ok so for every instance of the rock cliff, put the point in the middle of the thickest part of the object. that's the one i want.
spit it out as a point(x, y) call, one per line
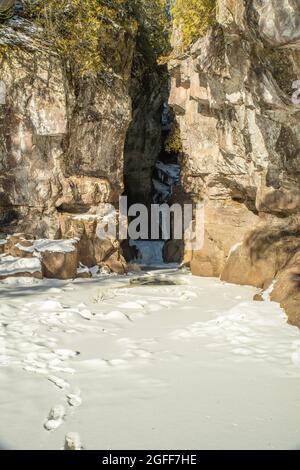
point(232, 93)
point(62, 139)
point(148, 90)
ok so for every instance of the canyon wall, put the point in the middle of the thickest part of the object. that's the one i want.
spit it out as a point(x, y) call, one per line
point(148, 90)
point(62, 139)
point(240, 130)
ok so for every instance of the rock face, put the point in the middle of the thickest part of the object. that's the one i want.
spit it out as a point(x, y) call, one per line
point(232, 93)
point(61, 142)
point(144, 138)
point(287, 289)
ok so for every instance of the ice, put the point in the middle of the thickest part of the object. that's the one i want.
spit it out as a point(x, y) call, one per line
point(151, 251)
point(55, 246)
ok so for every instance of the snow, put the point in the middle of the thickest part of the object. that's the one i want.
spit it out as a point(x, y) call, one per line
point(113, 364)
point(234, 248)
point(52, 246)
point(267, 292)
point(83, 269)
point(9, 266)
point(172, 170)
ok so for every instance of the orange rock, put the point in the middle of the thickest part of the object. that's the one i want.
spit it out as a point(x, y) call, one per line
point(287, 290)
point(60, 265)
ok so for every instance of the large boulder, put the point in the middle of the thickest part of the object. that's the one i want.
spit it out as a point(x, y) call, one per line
point(173, 251)
point(59, 258)
point(116, 264)
point(58, 265)
point(226, 225)
point(92, 250)
point(263, 254)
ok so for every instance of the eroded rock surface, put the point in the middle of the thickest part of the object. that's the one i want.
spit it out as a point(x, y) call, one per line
point(61, 142)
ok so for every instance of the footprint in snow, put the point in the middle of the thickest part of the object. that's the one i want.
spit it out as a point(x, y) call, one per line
point(55, 418)
point(74, 399)
point(60, 383)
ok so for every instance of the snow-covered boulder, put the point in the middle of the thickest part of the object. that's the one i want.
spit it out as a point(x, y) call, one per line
point(59, 258)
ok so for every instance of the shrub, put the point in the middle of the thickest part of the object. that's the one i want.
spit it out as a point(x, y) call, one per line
point(194, 17)
point(82, 29)
point(173, 143)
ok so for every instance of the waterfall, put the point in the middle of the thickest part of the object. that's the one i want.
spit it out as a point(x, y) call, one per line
point(150, 252)
point(165, 177)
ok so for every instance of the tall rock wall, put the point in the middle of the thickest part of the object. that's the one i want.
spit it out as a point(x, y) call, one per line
point(149, 92)
point(240, 130)
point(61, 139)
point(61, 142)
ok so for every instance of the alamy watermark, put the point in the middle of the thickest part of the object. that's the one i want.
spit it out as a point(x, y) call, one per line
point(157, 222)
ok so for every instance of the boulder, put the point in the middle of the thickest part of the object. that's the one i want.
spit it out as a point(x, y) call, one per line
point(59, 258)
point(116, 264)
point(226, 225)
point(58, 265)
point(130, 253)
point(134, 268)
point(263, 254)
point(91, 250)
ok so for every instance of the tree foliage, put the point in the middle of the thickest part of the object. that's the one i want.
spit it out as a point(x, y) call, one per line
point(154, 25)
point(81, 29)
point(194, 17)
point(173, 143)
